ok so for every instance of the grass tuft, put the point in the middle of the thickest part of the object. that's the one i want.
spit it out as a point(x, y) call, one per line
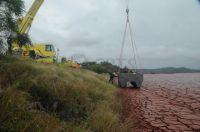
point(38, 97)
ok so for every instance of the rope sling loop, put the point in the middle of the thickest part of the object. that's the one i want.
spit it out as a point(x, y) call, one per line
point(128, 26)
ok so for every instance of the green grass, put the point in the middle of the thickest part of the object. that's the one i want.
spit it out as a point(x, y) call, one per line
point(43, 98)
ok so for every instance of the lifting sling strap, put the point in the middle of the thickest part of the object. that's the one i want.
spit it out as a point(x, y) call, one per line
point(128, 26)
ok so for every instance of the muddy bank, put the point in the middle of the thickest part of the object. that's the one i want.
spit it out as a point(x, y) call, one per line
point(164, 103)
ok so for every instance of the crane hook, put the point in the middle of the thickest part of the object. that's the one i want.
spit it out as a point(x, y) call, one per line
point(127, 10)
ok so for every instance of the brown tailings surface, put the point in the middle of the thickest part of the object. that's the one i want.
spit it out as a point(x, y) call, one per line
point(166, 102)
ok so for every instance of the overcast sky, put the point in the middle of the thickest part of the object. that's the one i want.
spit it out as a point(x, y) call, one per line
point(167, 32)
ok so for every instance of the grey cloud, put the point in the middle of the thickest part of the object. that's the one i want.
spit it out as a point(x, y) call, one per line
point(166, 32)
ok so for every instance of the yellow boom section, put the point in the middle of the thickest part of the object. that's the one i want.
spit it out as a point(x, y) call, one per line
point(26, 21)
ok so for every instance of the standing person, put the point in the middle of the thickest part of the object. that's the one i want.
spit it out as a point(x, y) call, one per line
point(112, 76)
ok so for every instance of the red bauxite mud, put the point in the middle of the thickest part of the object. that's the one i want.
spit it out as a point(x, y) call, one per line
point(166, 102)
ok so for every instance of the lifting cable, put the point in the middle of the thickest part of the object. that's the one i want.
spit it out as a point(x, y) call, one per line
point(133, 43)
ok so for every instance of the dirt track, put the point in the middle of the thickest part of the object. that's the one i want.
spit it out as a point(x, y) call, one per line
point(165, 103)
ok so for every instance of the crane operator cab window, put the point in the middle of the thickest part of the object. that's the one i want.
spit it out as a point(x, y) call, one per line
point(49, 48)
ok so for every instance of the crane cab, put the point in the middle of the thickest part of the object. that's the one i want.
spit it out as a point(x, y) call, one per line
point(43, 53)
point(44, 50)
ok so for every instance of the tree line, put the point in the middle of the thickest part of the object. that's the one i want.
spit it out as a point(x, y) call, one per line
point(102, 67)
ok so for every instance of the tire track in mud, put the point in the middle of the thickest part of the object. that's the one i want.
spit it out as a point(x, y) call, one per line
point(162, 105)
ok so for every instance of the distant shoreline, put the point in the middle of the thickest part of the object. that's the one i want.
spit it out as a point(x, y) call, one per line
point(169, 73)
point(170, 70)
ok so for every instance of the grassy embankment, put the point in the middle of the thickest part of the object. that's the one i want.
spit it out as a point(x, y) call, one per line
point(38, 97)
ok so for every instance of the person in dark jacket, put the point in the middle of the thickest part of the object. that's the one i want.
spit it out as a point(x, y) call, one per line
point(112, 76)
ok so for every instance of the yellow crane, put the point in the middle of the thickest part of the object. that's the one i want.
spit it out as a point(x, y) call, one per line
point(29, 17)
point(40, 52)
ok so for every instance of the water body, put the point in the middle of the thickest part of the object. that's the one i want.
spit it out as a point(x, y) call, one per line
point(166, 102)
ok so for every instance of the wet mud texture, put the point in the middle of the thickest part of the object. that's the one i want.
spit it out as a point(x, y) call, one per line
point(165, 103)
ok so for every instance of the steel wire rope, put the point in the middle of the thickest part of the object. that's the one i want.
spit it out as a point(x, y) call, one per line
point(136, 49)
point(123, 43)
point(133, 42)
